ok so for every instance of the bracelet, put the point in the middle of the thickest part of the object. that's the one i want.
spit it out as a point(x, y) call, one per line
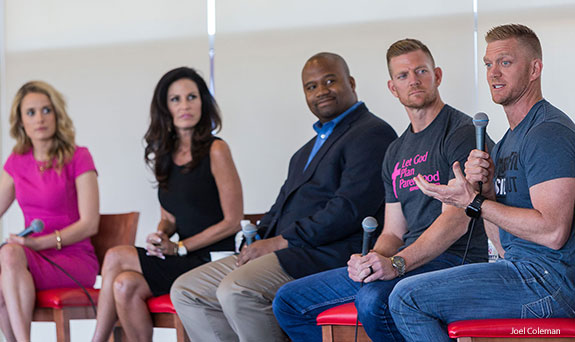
point(58, 240)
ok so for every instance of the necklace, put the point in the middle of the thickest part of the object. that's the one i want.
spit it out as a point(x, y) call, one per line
point(42, 166)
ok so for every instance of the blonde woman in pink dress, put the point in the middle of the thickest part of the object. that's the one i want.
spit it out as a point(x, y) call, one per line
point(55, 181)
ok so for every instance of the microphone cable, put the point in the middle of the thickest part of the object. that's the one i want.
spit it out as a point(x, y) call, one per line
point(74, 280)
point(470, 227)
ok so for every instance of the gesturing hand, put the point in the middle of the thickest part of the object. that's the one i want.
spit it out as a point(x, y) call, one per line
point(458, 193)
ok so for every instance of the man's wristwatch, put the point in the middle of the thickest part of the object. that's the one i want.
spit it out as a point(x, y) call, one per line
point(399, 264)
point(182, 249)
point(473, 210)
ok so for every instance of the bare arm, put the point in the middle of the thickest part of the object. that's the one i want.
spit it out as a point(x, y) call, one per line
point(547, 224)
point(86, 226)
point(167, 224)
point(394, 227)
point(7, 194)
point(443, 232)
point(230, 192)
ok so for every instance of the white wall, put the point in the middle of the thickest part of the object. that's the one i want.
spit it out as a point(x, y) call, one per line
point(107, 65)
point(258, 86)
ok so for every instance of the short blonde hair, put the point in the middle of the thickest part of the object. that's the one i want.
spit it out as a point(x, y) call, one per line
point(407, 45)
point(64, 145)
point(522, 33)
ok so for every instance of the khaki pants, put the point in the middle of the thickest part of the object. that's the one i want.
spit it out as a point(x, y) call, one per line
point(222, 302)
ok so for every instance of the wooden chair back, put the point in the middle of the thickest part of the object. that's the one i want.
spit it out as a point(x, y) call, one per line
point(115, 230)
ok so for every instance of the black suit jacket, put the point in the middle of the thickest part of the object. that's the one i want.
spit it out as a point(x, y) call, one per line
point(319, 210)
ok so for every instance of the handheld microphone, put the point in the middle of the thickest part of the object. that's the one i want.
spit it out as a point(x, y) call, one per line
point(369, 224)
point(250, 230)
point(480, 121)
point(35, 226)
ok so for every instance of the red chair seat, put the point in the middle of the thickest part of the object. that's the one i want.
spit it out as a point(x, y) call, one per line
point(532, 328)
point(62, 297)
point(344, 314)
point(161, 304)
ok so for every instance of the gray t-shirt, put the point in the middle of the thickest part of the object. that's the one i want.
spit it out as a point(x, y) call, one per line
point(431, 153)
point(539, 149)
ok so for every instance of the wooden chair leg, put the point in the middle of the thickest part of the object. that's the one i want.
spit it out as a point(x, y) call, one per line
point(327, 333)
point(62, 325)
point(343, 333)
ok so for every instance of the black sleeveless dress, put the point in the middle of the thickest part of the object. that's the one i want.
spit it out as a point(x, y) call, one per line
point(194, 201)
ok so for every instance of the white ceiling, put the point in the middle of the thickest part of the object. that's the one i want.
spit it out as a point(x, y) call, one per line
point(47, 24)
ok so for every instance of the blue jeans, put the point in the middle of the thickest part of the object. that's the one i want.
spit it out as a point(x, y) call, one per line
point(297, 303)
point(423, 305)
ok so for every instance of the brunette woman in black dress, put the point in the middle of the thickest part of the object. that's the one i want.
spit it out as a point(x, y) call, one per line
point(200, 198)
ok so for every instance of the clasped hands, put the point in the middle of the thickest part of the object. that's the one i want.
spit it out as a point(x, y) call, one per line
point(370, 267)
point(461, 191)
point(158, 244)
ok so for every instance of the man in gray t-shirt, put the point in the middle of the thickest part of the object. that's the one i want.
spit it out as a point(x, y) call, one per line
point(431, 152)
point(419, 234)
point(527, 205)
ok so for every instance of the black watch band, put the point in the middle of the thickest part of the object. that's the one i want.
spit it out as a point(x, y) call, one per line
point(473, 210)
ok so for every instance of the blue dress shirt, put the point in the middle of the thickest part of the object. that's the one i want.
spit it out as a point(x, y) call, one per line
point(325, 130)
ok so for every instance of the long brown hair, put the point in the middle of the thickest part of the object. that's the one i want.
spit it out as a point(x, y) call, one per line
point(161, 138)
point(63, 141)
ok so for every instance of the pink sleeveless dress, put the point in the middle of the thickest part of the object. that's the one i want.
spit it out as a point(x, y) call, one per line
point(52, 197)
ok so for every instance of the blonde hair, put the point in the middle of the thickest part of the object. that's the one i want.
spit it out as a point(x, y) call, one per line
point(63, 141)
point(407, 45)
point(522, 33)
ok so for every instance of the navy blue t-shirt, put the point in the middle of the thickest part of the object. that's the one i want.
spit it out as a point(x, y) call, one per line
point(431, 153)
point(539, 149)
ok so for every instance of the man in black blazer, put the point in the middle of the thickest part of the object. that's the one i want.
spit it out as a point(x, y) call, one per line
point(315, 224)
